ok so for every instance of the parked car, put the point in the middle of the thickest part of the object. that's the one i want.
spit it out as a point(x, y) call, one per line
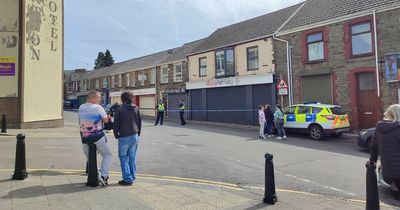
point(317, 120)
point(365, 137)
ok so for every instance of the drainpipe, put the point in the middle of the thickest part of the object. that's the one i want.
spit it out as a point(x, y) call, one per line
point(288, 67)
point(376, 55)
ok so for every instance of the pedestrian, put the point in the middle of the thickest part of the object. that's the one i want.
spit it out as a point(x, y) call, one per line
point(269, 117)
point(91, 119)
point(261, 120)
point(279, 117)
point(386, 143)
point(182, 111)
point(160, 113)
point(127, 128)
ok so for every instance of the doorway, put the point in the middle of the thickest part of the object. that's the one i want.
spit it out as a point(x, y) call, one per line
point(368, 101)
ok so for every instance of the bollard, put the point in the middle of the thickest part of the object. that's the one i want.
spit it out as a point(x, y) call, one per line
point(4, 123)
point(92, 179)
point(87, 167)
point(20, 161)
point(270, 194)
point(372, 188)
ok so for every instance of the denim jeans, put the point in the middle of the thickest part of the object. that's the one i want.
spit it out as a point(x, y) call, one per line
point(268, 128)
point(127, 147)
point(279, 128)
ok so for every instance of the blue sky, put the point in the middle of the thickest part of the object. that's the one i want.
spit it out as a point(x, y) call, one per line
point(133, 28)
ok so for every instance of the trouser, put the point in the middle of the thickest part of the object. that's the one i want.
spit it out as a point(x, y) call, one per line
point(262, 124)
point(127, 147)
point(268, 128)
point(181, 114)
point(160, 117)
point(279, 128)
point(104, 149)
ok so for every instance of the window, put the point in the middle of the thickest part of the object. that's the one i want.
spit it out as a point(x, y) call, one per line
point(153, 76)
point(112, 81)
point(290, 110)
point(127, 79)
point(303, 110)
point(178, 74)
point(361, 39)
point(142, 77)
point(97, 84)
point(133, 80)
point(224, 62)
point(315, 47)
point(120, 80)
point(164, 74)
point(252, 58)
point(105, 83)
point(202, 67)
point(316, 110)
point(366, 81)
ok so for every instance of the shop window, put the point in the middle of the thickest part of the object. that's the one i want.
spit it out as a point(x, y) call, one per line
point(164, 74)
point(178, 74)
point(224, 62)
point(252, 58)
point(142, 77)
point(203, 67)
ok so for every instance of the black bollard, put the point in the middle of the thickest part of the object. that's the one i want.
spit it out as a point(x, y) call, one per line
point(4, 123)
point(87, 167)
point(270, 194)
point(20, 160)
point(92, 179)
point(372, 188)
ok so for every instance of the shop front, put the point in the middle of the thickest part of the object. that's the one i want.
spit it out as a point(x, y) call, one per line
point(145, 99)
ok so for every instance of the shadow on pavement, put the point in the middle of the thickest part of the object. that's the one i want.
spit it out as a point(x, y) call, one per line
point(258, 206)
point(53, 173)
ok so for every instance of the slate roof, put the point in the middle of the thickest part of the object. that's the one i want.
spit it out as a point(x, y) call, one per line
point(181, 52)
point(315, 11)
point(247, 30)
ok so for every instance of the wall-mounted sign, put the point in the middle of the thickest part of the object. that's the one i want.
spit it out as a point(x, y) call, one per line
point(232, 81)
point(392, 65)
point(282, 91)
point(7, 65)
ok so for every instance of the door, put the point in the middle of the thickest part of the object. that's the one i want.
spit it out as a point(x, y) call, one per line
point(368, 102)
point(290, 117)
point(147, 105)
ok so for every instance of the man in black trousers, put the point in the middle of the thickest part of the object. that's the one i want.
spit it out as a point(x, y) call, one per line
point(182, 111)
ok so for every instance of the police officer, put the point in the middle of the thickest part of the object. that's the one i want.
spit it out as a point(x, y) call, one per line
point(182, 111)
point(160, 112)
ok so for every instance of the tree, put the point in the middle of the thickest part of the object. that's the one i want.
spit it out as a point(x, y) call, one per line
point(100, 61)
point(108, 59)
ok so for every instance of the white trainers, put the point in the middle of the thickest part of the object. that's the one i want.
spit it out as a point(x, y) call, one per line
point(269, 136)
point(101, 180)
point(284, 137)
point(279, 138)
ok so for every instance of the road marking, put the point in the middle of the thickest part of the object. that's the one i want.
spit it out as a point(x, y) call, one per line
point(178, 145)
point(53, 147)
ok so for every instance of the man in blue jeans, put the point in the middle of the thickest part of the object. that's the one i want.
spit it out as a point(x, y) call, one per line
point(127, 127)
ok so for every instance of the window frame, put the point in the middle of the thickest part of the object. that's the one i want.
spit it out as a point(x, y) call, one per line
point(325, 42)
point(164, 77)
point(351, 38)
point(176, 73)
point(225, 63)
point(314, 42)
point(248, 58)
point(152, 79)
point(127, 79)
point(200, 67)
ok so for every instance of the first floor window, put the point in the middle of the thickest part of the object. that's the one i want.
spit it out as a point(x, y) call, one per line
point(133, 79)
point(141, 78)
point(361, 39)
point(112, 81)
point(120, 80)
point(315, 46)
point(252, 58)
point(178, 74)
point(202, 67)
point(127, 79)
point(164, 74)
point(97, 85)
point(225, 64)
point(153, 76)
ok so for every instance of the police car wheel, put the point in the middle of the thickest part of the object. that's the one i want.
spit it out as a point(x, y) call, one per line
point(316, 132)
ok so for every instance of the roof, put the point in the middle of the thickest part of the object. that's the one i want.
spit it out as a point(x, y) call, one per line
point(181, 52)
point(257, 27)
point(315, 11)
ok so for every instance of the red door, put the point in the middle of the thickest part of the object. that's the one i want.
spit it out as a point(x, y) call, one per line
point(368, 102)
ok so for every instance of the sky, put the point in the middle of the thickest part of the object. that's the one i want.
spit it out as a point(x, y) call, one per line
point(134, 28)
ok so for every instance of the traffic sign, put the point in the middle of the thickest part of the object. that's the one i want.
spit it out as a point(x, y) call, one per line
point(282, 84)
point(282, 91)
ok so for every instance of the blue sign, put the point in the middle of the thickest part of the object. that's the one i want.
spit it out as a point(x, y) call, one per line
point(311, 117)
point(392, 64)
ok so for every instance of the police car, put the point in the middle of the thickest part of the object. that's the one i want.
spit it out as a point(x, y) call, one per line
point(317, 120)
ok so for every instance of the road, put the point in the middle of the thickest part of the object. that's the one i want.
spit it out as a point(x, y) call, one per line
point(328, 167)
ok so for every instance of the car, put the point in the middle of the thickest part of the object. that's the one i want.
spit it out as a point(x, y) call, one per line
point(365, 137)
point(316, 119)
point(68, 104)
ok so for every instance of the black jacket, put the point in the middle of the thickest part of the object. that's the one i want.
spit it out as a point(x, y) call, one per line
point(386, 142)
point(127, 121)
point(269, 116)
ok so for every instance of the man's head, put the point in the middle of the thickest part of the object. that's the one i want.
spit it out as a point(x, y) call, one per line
point(127, 97)
point(94, 97)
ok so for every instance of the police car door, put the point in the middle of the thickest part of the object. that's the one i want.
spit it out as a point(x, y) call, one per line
point(302, 117)
point(290, 117)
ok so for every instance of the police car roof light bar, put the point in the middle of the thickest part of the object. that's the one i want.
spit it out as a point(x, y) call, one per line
point(310, 102)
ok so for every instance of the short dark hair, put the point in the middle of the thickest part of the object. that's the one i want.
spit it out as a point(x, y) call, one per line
point(127, 97)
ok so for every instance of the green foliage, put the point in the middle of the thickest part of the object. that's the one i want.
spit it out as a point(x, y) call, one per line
point(103, 60)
